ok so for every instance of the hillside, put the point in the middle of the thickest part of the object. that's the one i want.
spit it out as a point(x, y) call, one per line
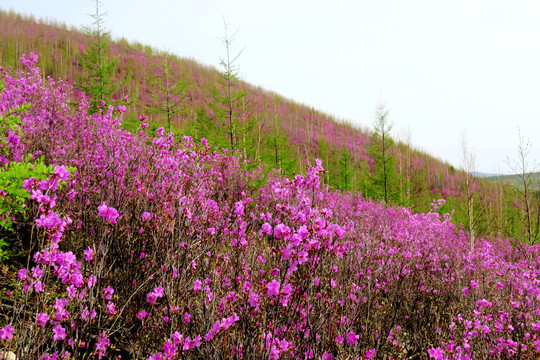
point(141, 245)
point(59, 50)
point(517, 180)
point(282, 132)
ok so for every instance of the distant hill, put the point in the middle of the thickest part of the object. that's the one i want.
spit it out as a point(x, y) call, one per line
point(517, 180)
point(484, 175)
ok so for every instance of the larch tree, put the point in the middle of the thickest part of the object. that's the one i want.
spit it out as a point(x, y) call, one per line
point(381, 149)
point(279, 153)
point(167, 90)
point(98, 65)
point(230, 105)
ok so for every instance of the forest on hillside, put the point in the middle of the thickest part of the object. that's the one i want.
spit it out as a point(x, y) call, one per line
point(212, 103)
point(152, 208)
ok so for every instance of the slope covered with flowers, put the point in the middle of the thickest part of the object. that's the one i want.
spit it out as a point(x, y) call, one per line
point(153, 247)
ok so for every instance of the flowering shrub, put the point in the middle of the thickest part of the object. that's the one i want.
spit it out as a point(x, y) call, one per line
point(158, 249)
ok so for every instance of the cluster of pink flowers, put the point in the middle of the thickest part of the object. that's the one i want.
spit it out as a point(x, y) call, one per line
point(189, 253)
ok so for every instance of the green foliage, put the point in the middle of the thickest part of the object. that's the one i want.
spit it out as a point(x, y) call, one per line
point(384, 179)
point(346, 169)
point(98, 65)
point(202, 126)
point(167, 91)
point(278, 152)
point(12, 195)
point(233, 123)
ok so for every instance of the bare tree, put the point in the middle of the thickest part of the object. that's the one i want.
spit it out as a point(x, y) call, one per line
point(526, 199)
point(468, 163)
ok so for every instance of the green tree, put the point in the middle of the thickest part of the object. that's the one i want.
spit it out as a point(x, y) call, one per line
point(346, 169)
point(279, 152)
point(324, 154)
point(167, 90)
point(233, 124)
point(384, 179)
point(201, 126)
point(98, 65)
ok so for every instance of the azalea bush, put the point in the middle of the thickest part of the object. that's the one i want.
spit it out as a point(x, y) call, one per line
point(147, 246)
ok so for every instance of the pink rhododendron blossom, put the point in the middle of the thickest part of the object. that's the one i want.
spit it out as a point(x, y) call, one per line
point(109, 214)
point(253, 300)
point(436, 353)
point(281, 231)
point(352, 338)
point(41, 319)
point(88, 254)
point(110, 308)
point(273, 287)
point(107, 293)
point(267, 229)
point(22, 274)
point(142, 314)
point(146, 216)
point(327, 356)
point(59, 333)
point(6, 333)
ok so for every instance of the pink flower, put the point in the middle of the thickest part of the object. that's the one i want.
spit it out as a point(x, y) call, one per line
point(352, 338)
point(197, 285)
point(6, 332)
point(273, 287)
point(436, 353)
point(187, 318)
point(286, 289)
point(370, 354)
point(88, 254)
point(38, 286)
point(102, 344)
point(59, 333)
point(107, 293)
point(239, 208)
point(151, 297)
point(91, 281)
point(85, 314)
point(327, 356)
point(37, 273)
point(266, 229)
point(253, 300)
point(110, 214)
point(41, 319)
point(22, 274)
point(110, 308)
point(281, 231)
point(146, 216)
point(177, 338)
point(142, 314)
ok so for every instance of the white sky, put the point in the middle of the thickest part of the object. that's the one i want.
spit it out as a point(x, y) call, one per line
point(442, 67)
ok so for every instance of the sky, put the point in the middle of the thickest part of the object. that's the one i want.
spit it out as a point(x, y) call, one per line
point(445, 69)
